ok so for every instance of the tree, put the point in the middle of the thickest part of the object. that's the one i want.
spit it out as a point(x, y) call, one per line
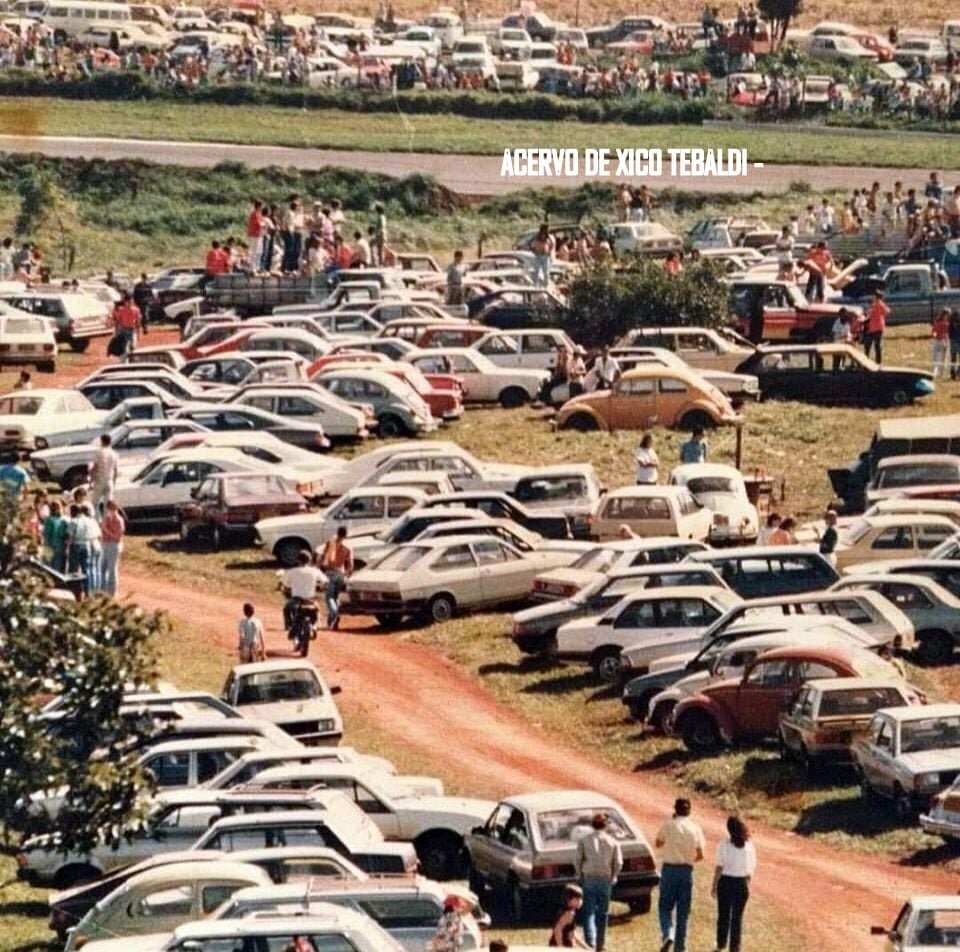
point(779, 13)
point(84, 654)
point(607, 300)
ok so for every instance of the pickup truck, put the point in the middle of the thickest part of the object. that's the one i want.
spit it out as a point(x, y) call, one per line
point(787, 314)
point(250, 295)
point(915, 293)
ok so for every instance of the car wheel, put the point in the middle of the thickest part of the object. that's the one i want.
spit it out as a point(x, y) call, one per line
point(696, 420)
point(639, 706)
point(607, 665)
point(441, 856)
point(934, 647)
point(581, 422)
point(76, 874)
point(903, 805)
point(900, 397)
point(391, 426)
point(47, 367)
point(640, 907)
point(699, 732)
point(74, 477)
point(216, 538)
point(441, 608)
point(513, 397)
point(660, 716)
point(79, 345)
point(517, 902)
point(786, 754)
point(288, 551)
point(387, 621)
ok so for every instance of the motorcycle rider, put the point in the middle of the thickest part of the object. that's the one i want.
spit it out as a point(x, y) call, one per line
point(300, 583)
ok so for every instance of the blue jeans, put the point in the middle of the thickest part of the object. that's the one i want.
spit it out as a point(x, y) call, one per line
point(594, 912)
point(676, 893)
point(82, 560)
point(541, 270)
point(336, 582)
point(109, 562)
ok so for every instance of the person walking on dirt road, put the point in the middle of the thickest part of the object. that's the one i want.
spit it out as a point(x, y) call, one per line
point(681, 845)
point(736, 863)
point(336, 561)
point(598, 864)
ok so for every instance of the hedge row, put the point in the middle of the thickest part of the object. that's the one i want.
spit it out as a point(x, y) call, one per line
point(130, 86)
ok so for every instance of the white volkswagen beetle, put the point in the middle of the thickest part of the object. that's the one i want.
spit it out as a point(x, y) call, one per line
point(722, 490)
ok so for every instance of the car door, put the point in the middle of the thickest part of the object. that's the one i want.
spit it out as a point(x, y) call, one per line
point(700, 350)
point(155, 908)
point(763, 693)
point(170, 770)
point(796, 719)
point(680, 624)
point(495, 851)
point(455, 570)
point(357, 513)
point(501, 572)
point(895, 542)
point(905, 295)
point(502, 349)
point(632, 404)
point(538, 351)
point(876, 755)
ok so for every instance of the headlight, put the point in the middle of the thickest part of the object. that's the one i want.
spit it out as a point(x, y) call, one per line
point(326, 724)
point(924, 386)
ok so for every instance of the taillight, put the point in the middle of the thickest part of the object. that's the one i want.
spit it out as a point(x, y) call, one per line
point(5, 347)
point(553, 871)
point(639, 864)
point(49, 347)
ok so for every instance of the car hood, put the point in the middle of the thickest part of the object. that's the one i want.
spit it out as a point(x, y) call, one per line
point(278, 712)
point(471, 812)
point(927, 761)
point(556, 612)
point(725, 503)
point(372, 578)
point(908, 371)
point(672, 663)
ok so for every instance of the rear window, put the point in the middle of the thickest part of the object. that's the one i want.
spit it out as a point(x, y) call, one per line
point(637, 509)
point(401, 913)
point(549, 489)
point(857, 701)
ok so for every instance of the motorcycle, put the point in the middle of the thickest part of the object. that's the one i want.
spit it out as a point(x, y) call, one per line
point(301, 618)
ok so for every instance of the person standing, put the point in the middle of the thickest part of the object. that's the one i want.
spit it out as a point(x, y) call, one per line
point(362, 251)
point(451, 929)
point(830, 537)
point(55, 537)
point(598, 863)
point(336, 562)
point(455, 280)
point(217, 260)
point(542, 247)
point(608, 369)
point(648, 463)
point(112, 530)
point(103, 473)
point(876, 325)
point(681, 844)
point(83, 546)
point(250, 646)
point(13, 477)
point(143, 298)
point(380, 237)
point(578, 372)
point(736, 864)
point(293, 221)
point(818, 263)
point(127, 321)
point(255, 233)
point(953, 333)
point(695, 449)
point(940, 331)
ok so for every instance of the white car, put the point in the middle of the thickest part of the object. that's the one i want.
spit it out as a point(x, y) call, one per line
point(150, 496)
point(511, 43)
point(365, 509)
point(308, 402)
point(424, 38)
point(436, 825)
point(437, 578)
point(25, 339)
point(721, 490)
point(483, 380)
point(534, 349)
point(289, 693)
point(656, 621)
point(37, 419)
point(840, 49)
point(642, 237)
point(922, 924)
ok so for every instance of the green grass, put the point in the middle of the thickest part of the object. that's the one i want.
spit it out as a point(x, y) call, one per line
point(334, 129)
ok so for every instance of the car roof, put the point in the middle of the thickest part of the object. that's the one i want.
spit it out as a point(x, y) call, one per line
point(322, 917)
point(692, 470)
point(922, 712)
point(560, 469)
point(754, 551)
point(561, 800)
point(887, 519)
point(645, 490)
point(196, 866)
point(930, 903)
point(828, 685)
point(283, 664)
point(826, 652)
point(681, 591)
point(272, 818)
point(443, 541)
point(202, 743)
point(656, 370)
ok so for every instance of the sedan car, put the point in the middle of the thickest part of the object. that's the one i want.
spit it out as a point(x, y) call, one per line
point(833, 373)
point(887, 537)
point(25, 339)
point(231, 504)
point(36, 419)
point(525, 852)
point(828, 716)
point(924, 923)
point(437, 578)
point(289, 693)
point(298, 431)
point(703, 348)
point(748, 708)
point(483, 380)
point(909, 755)
point(310, 403)
point(499, 505)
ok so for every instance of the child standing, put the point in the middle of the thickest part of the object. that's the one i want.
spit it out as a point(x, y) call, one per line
point(250, 642)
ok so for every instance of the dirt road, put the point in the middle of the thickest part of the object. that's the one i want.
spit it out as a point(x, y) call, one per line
point(420, 699)
point(474, 175)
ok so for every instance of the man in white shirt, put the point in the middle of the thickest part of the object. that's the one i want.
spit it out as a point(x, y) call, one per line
point(608, 370)
point(301, 584)
point(103, 473)
point(681, 844)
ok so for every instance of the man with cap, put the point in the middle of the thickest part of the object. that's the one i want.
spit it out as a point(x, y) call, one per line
point(598, 863)
point(681, 845)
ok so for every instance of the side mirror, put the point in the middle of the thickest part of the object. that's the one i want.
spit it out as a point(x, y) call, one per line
point(879, 930)
point(479, 831)
point(336, 689)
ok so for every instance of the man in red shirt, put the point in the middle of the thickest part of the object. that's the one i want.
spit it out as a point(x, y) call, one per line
point(342, 254)
point(876, 325)
point(817, 263)
point(255, 231)
point(127, 320)
point(218, 261)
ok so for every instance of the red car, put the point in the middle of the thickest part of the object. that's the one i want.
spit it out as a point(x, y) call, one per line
point(452, 335)
point(787, 314)
point(196, 345)
point(231, 504)
point(749, 708)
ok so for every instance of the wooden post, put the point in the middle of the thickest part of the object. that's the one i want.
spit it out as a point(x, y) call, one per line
point(738, 452)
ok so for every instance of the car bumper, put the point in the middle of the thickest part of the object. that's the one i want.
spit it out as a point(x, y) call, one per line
point(939, 827)
point(329, 739)
point(373, 606)
point(535, 642)
point(629, 889)
point(27, 358)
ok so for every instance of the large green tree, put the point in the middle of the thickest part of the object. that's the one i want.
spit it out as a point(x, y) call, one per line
point(779, 14)
point(83, 654)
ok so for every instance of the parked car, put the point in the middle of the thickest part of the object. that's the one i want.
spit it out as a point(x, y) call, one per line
point(571, 488)
point(530, 349)
point(398, 408)
point(833, 373)
point(361, 510)
point(534, 629)
point(525, 851)
point(37, 419)
point(827, 716)
point(436, 579)
point(787, 314)
point(933, 610)
point(76, 316)
point(703, 348)
point(924, 922)
point(721, 490)
point(651, 510)
point(748, 708)
point(875, 538)
point(909, 755)
point(289, 693)
point(499, 505)
point(759, 571)
point(229, 505)
point(483, 380)
point(308, 403)
point(161, 899)
point(300, 432)
point(895, 473)
point(25, 339)
point(925, 49)
point(642, 237)
point(642, 397)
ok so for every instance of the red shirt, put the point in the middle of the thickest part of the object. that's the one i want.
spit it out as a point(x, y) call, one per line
point(218, 261)
point(127, 316)
point(877, 317)
point(344, 257)
point(255, 224)
point(941, 328)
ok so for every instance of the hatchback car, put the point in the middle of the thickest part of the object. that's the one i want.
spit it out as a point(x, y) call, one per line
point(885, 537)
point(759, 571)
point(651, 511)
point(25, 339)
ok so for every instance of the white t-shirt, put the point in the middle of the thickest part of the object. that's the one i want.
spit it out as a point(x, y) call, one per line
point(302, 581)
point(648, 465)
point(736, 862)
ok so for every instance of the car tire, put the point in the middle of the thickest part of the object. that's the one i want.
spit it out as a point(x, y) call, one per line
point(441, 608)
point(903, 805)
point(76, 874)
point(660, 716)
point(696, 420)
point(642, 906)
point(185, 533)
point(391, 426)
point(607, 665)
point(441, 856)
point(581, 423)
point(387, 621)
point(699, 732)
point(900, 397)
point(513, 397)
point(934, 648)
point(75, 476)
point(47, 367)
point(286, 551)
point(79, 345)
point(216, 538)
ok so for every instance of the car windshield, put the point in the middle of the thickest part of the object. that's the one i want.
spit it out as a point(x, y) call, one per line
point(253, 485)
point(561, 828)
point(21, 406)
point(711, 484)
point(931, 733)
point(23, 325)
point(916, 475)
point(402, 559)
point(855, 532)
point(851, 702)
point(938, 928)
point(550, 489)
point(267, 687)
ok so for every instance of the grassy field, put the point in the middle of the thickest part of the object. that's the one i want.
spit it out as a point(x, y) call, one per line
point(446, 134)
